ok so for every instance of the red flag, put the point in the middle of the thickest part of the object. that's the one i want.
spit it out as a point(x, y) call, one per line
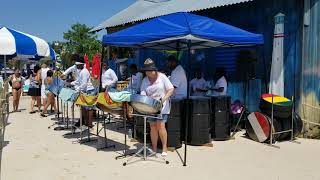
point(96, 63)
point(86, 60)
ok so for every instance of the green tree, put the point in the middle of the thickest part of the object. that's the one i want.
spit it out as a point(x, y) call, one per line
point(79, 40)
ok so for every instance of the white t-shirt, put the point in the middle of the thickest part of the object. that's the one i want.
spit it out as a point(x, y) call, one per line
point(109, 78)
point(135, 82)
point(83, 81)
point(179, 80)
point(197, 83)
point(222, 82)
point(157, 90)
point(73, 69)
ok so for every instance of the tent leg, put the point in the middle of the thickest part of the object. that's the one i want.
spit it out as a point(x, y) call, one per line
point(187, 108)
point(5, 66)
point(101, 62)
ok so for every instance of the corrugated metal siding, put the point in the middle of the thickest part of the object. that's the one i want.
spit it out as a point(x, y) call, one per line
point(310, 77)
point(142, 10)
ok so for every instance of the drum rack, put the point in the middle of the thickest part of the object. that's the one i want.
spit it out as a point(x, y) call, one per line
point(144, 148)
point(272, 133)
point(104, 130)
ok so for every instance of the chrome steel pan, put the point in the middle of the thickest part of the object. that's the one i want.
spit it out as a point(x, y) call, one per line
point(145, 104)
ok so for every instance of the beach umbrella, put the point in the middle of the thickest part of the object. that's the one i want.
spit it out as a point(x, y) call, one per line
point(13, 42)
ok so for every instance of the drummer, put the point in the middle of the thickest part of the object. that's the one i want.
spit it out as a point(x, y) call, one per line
point(83, 84)
point(108, 78)
point(178, 78)
point(219, 86)
point(198, 84)
point(135, 79)
point(72, 69)
point(157, 86)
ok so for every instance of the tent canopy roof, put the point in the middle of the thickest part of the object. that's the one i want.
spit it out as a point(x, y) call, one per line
point(174, 31)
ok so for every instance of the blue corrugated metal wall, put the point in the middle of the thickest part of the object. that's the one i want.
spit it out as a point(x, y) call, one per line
point(310, 77)
point(256, 16)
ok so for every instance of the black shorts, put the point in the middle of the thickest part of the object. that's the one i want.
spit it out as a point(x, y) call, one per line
point(34, 91)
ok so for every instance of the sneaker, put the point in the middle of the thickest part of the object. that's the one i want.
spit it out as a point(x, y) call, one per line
point(164, 154)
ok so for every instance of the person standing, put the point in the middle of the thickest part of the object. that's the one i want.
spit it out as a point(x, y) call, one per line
point(50, 96)
point(157, 86)
point(35, 89)
point(178, 78)
point(16, 83)
point(135, 80)
point(72, 69)
point(83, 84)
point(44, 70)
point(108, 78)
point(218, 87)
point(198, 85)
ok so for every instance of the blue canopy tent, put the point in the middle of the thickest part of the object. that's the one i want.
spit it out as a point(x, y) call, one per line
point(182, 31)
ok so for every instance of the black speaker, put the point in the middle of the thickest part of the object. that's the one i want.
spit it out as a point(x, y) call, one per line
point(221, 103)
point(221, 126)
point(173, 127)
point(246, 65)
point(199, 129)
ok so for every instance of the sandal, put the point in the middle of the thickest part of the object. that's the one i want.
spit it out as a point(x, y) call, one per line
point(43, 115)
point(32, 112)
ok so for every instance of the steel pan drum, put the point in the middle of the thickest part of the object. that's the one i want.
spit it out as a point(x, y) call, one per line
point(56, 86)
point(145, 104)
point(258, 127)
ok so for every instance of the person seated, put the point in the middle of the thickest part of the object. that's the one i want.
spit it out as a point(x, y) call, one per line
point(198, 85)
point(219, 86)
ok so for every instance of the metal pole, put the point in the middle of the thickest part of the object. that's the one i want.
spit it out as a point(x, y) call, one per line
point(187, 108)
point(5, 67)
point(292, 114)
point(271, 128)
point(144, 138)
point(102, 57)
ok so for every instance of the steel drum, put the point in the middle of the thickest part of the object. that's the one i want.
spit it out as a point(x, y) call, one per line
point(145, 104)
point(56, 86)
point(258, 127)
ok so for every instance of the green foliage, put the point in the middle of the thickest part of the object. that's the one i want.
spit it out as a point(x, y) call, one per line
point(78, 41)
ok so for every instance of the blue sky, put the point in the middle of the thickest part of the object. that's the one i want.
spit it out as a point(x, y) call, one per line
point(49, 19)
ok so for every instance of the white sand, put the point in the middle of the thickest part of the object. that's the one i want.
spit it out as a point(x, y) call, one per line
point(35, 152)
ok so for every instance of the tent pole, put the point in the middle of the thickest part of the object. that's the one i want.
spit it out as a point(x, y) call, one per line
point(5, 66)
point(188, 103)
point(101, 62)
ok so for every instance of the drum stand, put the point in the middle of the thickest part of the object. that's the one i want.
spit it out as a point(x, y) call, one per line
point(64, 123)
point(105, 133)
point(144, 149)
point(238, 122)
point(88, 139)
point(272, 133)
point(125, 154)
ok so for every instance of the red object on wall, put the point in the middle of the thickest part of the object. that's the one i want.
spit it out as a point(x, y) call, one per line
point(96, 63)
point(86, 60)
